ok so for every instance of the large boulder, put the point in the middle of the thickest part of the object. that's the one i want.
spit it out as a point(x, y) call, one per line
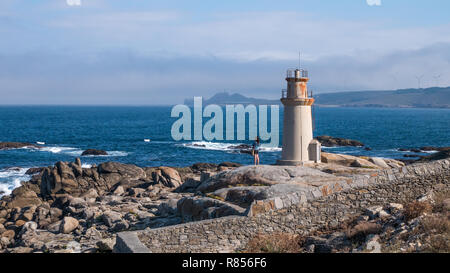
point(393, 163)
point(10, 234)
point(62, 178)
point(32, 171)
point(265, 175)
point(21, 197)
point(242, 196)
point(379, 162)
point(28, 227)
point(48, 241)
point(114, 221)
point(170, 207)
point(190, 185)
point(71, 178)
point(200, 208)
point(68, 225)
point(118, 171)
point(106, 245)
point(168, 177)
point(125, 184)
point(347, 160)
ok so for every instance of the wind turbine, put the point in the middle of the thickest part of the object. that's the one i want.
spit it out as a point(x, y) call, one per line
point(419, 78)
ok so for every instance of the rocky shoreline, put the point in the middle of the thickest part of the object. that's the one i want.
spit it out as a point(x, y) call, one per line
point(68, 208)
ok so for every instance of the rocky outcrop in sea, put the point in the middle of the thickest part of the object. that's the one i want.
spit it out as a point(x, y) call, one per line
point(17, 145)
point(329, 141)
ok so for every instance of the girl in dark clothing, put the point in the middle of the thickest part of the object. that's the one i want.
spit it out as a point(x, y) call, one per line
point(256, 146)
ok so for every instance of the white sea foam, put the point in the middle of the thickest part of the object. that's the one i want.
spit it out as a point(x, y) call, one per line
point(161, 142)
point(222, 146)
point(62, 150)
point(11, 178)
point(77, 151)
point(270, 149)
point(215, 146)
point(116, 153)
point(86, 166)
point(411, 152)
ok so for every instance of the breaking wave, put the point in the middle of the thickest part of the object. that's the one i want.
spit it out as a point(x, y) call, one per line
point(77, 151)
point(10, 179)
point(229, 147)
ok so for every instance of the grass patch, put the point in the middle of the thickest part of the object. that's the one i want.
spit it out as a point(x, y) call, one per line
point(441, 202)
point(359, 232)
point(275, 243)
point(437, 229)
point(415, 209)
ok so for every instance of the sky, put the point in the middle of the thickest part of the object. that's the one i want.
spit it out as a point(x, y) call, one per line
point(145, 52)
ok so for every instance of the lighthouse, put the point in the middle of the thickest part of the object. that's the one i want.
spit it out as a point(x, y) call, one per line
point(298, 144)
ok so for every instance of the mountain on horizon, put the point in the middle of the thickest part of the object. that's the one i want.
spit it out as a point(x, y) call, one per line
point(433, 97)
point(224, 98)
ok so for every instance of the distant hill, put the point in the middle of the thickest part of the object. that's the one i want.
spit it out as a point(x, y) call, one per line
point(225, 98)
point(434, 97)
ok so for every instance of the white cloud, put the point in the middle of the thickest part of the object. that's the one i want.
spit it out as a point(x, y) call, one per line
point(242, 36)
point(373, 2)
point(73, 2)
point(128, 77)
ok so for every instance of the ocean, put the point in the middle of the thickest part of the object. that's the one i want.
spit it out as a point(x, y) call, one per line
point(121, 131)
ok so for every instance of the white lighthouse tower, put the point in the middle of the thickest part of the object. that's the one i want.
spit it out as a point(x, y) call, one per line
point(298, 144)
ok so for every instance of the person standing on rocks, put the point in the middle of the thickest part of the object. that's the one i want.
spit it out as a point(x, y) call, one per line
point(255, 150)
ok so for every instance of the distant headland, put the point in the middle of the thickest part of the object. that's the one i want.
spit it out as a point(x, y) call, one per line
point(433, 97)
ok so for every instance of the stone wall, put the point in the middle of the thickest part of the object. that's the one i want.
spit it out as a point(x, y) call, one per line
point(300, 213)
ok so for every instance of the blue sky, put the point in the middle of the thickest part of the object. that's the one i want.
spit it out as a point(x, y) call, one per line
point(160, 52)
